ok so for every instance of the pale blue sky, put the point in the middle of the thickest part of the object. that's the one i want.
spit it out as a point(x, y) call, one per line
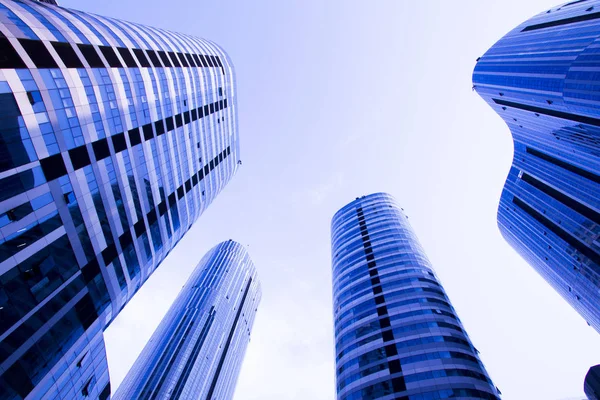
point(343, 98)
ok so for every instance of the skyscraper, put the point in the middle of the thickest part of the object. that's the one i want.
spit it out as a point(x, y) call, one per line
point(198, 348)
point(591, 385)
point(396, 334)
point(114, 138)
point(542, 79)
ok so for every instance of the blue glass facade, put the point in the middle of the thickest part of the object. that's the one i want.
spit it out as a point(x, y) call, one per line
point(396, 334)
point(543, 79)
point(114, 138)
point(591, 385)
point(197, 350)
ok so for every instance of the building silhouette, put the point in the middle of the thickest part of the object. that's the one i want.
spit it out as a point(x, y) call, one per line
point(397, 335)
point(198, 348)
point(114, 138)
point(540, 78)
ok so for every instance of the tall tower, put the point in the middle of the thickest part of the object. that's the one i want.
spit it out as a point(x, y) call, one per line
point(114, 138)
point(198, 348)
point(396, 334)
point(542, 79)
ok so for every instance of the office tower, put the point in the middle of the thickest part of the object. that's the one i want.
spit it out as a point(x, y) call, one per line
point(396, 334)
point(197, 350)
point(591, 385)
point(114, 138)
point(541, 79)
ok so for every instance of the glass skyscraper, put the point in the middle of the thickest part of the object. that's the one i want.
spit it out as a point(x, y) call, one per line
point(542, 78)
point(198, 348)
point(591, 385)
point(114, 138)
point(396, 334)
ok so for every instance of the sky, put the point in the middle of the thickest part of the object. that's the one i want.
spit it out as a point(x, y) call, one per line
point(338, 99)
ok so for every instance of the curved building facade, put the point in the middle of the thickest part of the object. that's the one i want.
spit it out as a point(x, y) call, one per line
point(542, 79)
point(396, 334)
point(114, 138)
point(198, 348)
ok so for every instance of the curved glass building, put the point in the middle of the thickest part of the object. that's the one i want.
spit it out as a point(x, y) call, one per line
point(114, 138)
point(542, 78)
point(197, 350)
point(396, 334)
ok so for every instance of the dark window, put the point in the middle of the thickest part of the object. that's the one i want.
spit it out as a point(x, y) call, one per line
point(152, 216)
point(178, 120)
point(139, 227)
point(174, 59)
point(172, 201)
point(9, 58)
point(105, 394)
point(162, 208)
point(160, 127)
point(53, 167)
point(194, 114)
point(206, 110)
point(154, 58)
point(109, 254)
point(91, 55)
point(127, 57)
point(180, 192)
point(190, 60)
point(38, 53)
point(228, 150)
point(200, 112)
point(183, 60)
point(101, 149)
point(218, 60)
point(79, 157)
point(134, 136)
point(195, 180)
point(220, 91)
point(203, 60)
point(212, 165)
point(186, 117)
point(67, 55)
point(188, 185)
point(18, 378)
point(125, 239)
point(209, 61)
point(139, 54)
point(119, 143)
point(212, 107)
point(225, 103)
point(147, 129)
point(90, 271)
point(170, 125)
point(206, 170)
point(197, 60)
point(85, 311)
point(111, 56)
point(164, 58)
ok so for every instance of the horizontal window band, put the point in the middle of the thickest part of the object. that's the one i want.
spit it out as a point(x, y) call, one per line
point(558, 231)
point(147, 58)
point(564, 199)
point(552, 113)
point(563, 164)
point(560, 22)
